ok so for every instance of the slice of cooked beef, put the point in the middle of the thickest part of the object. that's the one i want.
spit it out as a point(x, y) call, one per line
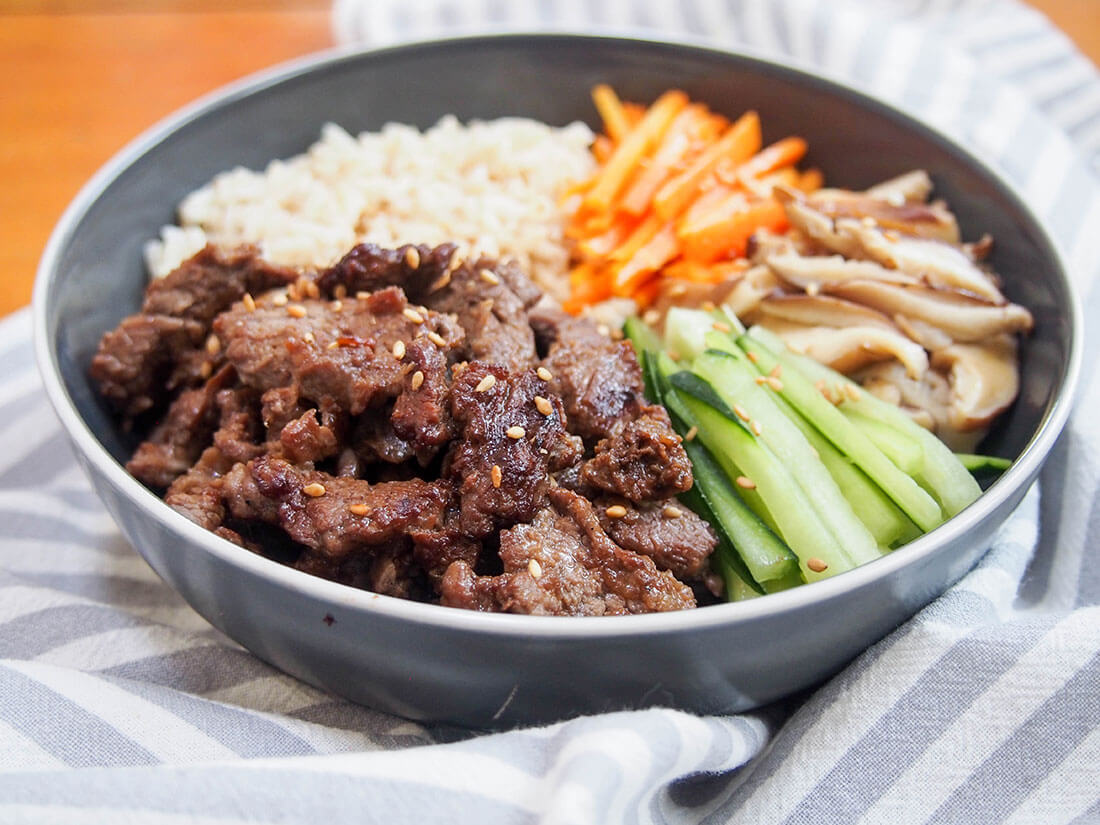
point(315, 435)
point(197, 494)
point(240, 433)
point(642, 460)
point(210, 281)
point(350, 351)
point(162, 348)
point(507, 446)
point(369, 268)
point(562, 563)
point(669, 533)
point(421, 414)
point(482, 295)
point(134, 360)
point(345, 516)
point(179, 438)
point(599, 379)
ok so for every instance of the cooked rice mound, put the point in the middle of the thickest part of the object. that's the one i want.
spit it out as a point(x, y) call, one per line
point(493, 186)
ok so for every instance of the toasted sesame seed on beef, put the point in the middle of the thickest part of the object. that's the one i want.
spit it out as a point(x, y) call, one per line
point(672, 535)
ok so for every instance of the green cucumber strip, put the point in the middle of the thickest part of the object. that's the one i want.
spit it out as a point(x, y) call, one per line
point(734, 379)
point(983, 463)
point(887, 523)
point(684, 331)
point(801, 393)
point(641, 335)
point(898, 447)
point(940, 472)
point(736, 450)
point(714, 500)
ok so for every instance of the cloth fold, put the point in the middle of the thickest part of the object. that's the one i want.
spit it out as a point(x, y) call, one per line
point(118, 703)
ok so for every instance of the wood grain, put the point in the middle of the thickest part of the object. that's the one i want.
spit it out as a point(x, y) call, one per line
point(83, 77)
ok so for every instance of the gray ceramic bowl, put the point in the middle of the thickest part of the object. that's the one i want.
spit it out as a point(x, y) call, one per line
point(428, 662)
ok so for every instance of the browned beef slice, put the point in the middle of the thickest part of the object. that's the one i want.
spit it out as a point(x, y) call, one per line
point(210, 281)
point(197, 493)
point(562, 563)
point(374, 440)
point(134, 360)
point(599, 379)
point(240, 433)
point(669, 533)
point(341, 350)
point(272, 490)
point(421, 414)
point(160, 348)
point(181, 435)
point(480, 294)
point(369, 268)
point(484, 418)
point(315, 435)
point(642, 460)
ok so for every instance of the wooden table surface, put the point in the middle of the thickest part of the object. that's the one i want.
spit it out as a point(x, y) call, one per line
point(83, 77)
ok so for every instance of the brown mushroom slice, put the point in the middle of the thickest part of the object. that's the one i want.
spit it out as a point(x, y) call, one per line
point(963, 318)
point(908, 187)
point(816, 225)
point(928, 336)
point(821, 310)
point(927, 399)
point(984, 380)
point(813, 272)
point(939, 264)
point(746, 294)
point(923, 220)
point(846, 349)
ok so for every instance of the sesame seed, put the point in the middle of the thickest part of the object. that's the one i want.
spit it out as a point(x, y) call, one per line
point(489, 277)
point(708, 306)
point(279, 299)
point(441, 282)
point(292, 292)
point(868, 221)
point(746, 483)
point(760, 379)
point(690, 435)
point(672, 512)
point(436, 338)
point(544, 373)
point(337, 305)
point(775, 383)
point(417, 379)
point(340, 291)
point(332, 345)
point(852, 391)
point(617, 334)
point(740, 412)
point(776, 371)
point(412, 257)
point(249, 302)
point(310, 289)
point(839, 391)
point(615, 511)
point(756, 428)
point(296, 311)
point(457, 260)
point(817, 565)
point(676, 290)
point(813, 288)
point(534, 568)
point(604, 330)
point(516, 432)
point(358, 509)
point(309, 339)
point(752, 356)
point(543, 405)
point(651, 316)
point(362, 295)
point(314, 490)
point(398, 350)
point(495, 475)
point(213, 345)
point(206, 369)
point(722, 327)
point(486, 383)
point(674, 355)
point(413, 315)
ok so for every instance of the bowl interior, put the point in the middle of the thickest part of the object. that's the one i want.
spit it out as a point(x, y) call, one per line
point(97, 273)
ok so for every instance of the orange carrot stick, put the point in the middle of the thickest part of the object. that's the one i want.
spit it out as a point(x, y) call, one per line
point(740, 142)
point(677, 143)
point(657, 251)
point(611, 178)
point(785, 152)
point(611, 111)
point(725, 233)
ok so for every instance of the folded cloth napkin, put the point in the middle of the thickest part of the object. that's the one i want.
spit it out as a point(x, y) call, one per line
point(119, 704)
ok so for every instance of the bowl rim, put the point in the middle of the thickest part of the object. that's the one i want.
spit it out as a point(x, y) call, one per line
point(343, 597)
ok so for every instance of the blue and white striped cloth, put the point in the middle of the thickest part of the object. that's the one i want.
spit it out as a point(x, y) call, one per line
point(119, 704)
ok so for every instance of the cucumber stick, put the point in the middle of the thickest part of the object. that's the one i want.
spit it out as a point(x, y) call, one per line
point(940, 471)
point(739, 452)
point(734, 379)
point(799, 390)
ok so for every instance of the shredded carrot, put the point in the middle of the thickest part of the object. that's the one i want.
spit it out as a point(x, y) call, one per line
point(678, 192)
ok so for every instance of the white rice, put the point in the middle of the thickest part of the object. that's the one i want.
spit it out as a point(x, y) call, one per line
point(492, 186)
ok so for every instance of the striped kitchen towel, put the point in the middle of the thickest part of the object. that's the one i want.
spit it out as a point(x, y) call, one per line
point(119, 704)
